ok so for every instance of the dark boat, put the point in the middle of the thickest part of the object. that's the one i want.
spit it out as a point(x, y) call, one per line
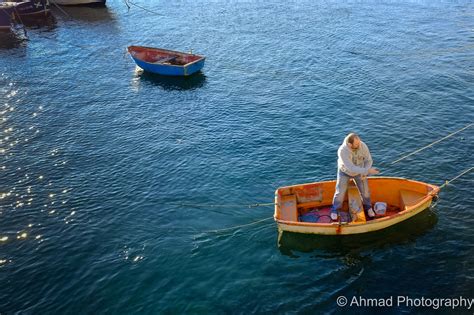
point(80, 2)
point(6, 16)
point(32, 8)
point(26, 9)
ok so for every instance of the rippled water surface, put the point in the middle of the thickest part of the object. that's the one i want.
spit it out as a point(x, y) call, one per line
point(97, 158)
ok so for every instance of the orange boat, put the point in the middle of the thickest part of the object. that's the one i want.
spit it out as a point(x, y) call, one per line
point(403, 198)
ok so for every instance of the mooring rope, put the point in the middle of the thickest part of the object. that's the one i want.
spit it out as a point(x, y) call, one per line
point(13, 19)
point(446, 183)
point(241, 205)
point(203, 205)
point(61, 9)
point(21, 21)
point(431, 144)
point(128, 2)
point(239, 226)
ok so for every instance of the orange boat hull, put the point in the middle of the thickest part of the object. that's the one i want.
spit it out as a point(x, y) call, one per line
point(405, 198)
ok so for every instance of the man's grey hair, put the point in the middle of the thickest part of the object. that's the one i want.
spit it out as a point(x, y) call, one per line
point(351, 137)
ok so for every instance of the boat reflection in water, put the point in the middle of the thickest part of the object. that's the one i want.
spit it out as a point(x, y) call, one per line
point(12, 39)
point(17, 14)
point(195, 81)
point(7, 17)
point(404, 232)
point(84, 13)
point(48, 22)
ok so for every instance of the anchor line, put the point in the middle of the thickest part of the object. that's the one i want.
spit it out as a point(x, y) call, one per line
point(21, 21)
point(199, 205)
point(62, 11)
point(128, 2)
point(239, 226)
point(15, 22)
point(431, 144)
point(446, 183)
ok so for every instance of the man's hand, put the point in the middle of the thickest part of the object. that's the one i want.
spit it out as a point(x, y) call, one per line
point(373, 171)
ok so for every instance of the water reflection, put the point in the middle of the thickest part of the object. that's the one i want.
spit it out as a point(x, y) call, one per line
point(404, 232)
point(84, 13)
point(13, 39)
point(191, 82)
point(47, 21)
point(18, 35)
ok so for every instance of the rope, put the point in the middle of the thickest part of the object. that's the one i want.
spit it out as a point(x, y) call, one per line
point(198, 205)
point(62, 11)
point(13, 22)
point(433, 204)
point(127, 2)
point(252, 205)
point(408, 54)
point(446, 183)
point(21, 21)
point(239, 226)
point(431, 144)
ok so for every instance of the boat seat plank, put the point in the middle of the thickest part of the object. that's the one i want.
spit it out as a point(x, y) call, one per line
point(288, 208)
point(308, 205)
point(355, 204)
point(409, 198)
point(165, 59)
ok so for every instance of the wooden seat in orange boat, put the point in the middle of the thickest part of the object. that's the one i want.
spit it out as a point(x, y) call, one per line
point(409, 198)
point(355, 204)
point(288, 208)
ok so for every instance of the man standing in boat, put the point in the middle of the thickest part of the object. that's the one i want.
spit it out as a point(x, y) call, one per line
point(354, 161)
